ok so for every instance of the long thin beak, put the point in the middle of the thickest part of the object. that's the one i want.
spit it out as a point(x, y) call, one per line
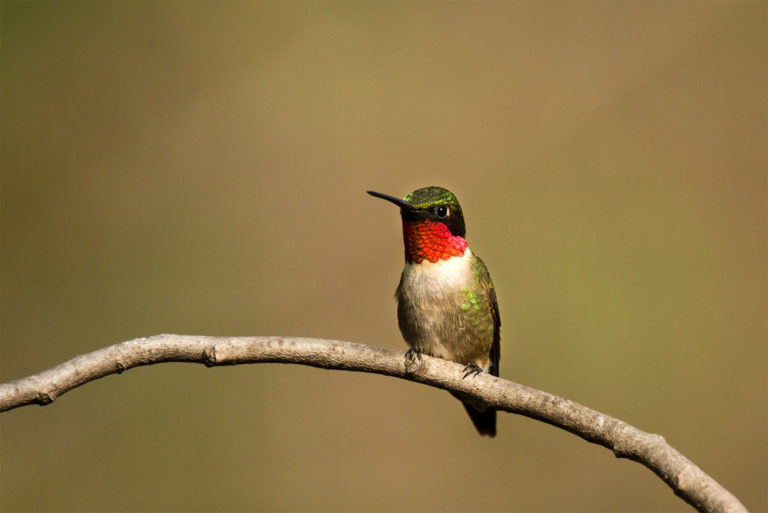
point(397, 201)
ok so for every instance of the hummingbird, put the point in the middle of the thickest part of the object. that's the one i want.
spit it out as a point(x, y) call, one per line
point(446, 303)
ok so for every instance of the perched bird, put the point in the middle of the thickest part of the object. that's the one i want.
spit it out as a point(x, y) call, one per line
point(446, 303)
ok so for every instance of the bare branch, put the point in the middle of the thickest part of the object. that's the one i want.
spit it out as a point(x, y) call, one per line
point(685, 478)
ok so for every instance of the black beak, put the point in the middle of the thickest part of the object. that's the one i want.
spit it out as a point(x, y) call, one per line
point(397, 201)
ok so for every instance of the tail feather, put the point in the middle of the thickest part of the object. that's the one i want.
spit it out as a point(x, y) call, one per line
point(484, 421)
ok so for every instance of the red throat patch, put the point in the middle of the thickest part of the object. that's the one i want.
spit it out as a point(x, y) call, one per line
point(431, 240)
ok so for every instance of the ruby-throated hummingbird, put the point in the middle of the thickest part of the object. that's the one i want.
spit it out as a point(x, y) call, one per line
point(446, 303)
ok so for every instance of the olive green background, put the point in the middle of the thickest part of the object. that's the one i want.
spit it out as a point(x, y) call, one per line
point(200, 168)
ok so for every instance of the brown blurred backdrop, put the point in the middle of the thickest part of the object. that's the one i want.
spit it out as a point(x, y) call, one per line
point(200, 168)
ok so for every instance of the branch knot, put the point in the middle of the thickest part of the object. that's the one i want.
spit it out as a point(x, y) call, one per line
point(209, 356)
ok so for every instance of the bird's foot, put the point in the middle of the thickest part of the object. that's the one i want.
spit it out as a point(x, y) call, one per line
point(412, 360)
point(413, 353)
point(472, 369)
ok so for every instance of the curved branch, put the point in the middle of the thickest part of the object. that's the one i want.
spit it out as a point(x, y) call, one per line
point(682, 475)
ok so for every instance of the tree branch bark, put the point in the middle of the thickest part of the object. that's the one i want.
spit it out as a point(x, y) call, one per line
point(686, 479)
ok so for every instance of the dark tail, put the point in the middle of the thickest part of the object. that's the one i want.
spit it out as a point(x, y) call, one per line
point(484, 421)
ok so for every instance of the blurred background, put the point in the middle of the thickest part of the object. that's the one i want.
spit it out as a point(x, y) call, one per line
point(201, 168)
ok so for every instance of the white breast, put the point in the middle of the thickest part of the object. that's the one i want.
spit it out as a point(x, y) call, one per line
point(429, 281)
point(432, 290)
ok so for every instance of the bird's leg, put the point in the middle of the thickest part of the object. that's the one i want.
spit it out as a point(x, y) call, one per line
point(472, 369)
point(413, 352)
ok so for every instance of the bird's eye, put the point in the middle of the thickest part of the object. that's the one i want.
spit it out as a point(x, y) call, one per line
point(441, 211)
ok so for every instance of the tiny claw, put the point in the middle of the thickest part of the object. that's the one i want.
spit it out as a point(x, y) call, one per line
point(413, 352)
point(472, 369)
